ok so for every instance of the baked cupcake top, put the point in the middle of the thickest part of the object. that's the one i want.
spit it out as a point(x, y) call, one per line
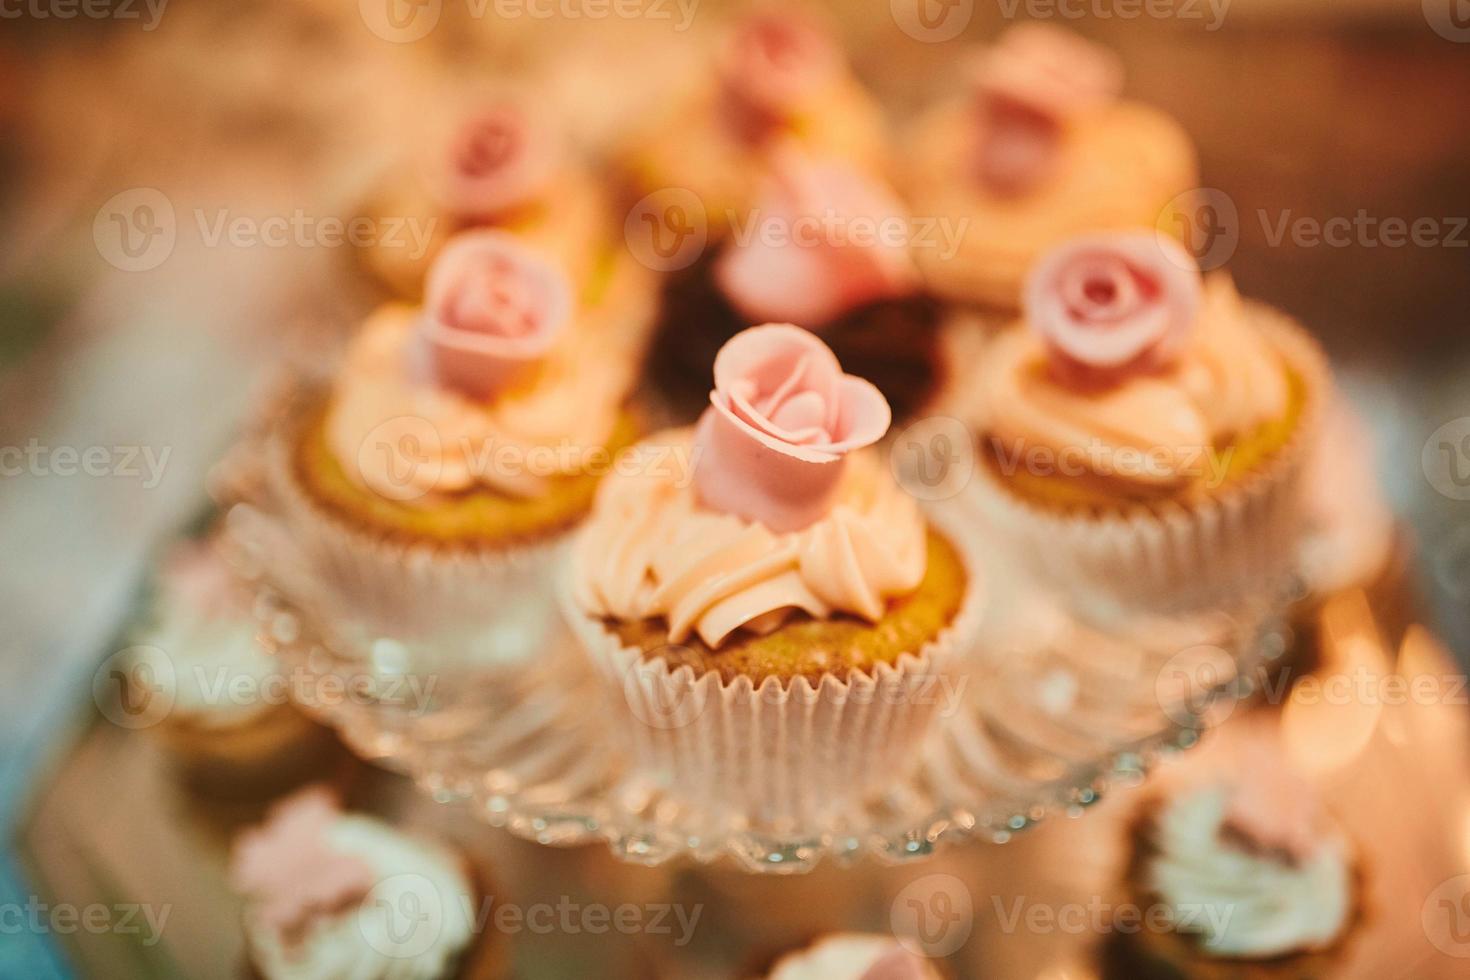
point(1131, 371)
point(779, 77)
point(497, 382)
point(199, 640)
point(853, 956)
point(823, 239)
point(786, 511)
point(330, 894)
point(1246, 858)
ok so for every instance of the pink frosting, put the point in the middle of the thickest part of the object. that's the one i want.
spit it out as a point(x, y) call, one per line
point(1113, 305)
point(288, 869)
point(497, 159)
point(195, 572)
point(771, 446)
point(1271, 808)
point(833, 248)
point(898, 964)
point(1028, 85)
point(492, 308)
point(773, 64)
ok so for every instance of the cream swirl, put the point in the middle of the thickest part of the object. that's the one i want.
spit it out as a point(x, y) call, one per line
point(1154, 430)
point(407, 438)
point(651, 550)
point(1244, 901)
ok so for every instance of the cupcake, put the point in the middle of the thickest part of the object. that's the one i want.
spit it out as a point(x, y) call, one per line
point(228, 721)
point(775, 620)
point(495, 166)
point(825, 246)
point(436, 478)
point(1242, 873)
point(333, 894)
point(1144, 431)
point(854, 956)
point(779, 76)
point(1040, 150)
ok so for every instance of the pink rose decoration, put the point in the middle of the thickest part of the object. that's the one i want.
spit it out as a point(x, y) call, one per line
point(288, 868)
point(1113, 305)
point(782, 417)
point(898, 964)
point(497, 159)
point(824, 239)
point(492, 308)
point(771, 66)
point(1271, 810)
point(1028, 84)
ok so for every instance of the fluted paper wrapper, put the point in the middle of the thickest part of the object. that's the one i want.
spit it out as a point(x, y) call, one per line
point(789, 757)
point(1179, 556)
point(411, 589)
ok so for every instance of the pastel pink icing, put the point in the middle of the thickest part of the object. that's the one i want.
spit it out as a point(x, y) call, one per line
point(1028, 85)
point(196, 573)
point(834, 255)
point(492, 309)
point(497, 159)
point(288, 869)
point(771, 65)
point(1271, 809)
point(1113, 305)
point(782, 417)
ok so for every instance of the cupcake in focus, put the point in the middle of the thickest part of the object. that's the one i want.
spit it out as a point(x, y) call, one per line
point(1040, 150)
point(779, 77)
point(229, 722)
point(1144, 431)
point(1246, 871)
point(459, 441)
point(787, 597)
point(854, 956)
point(333, 894)
point(825, 246)
point(497, 166)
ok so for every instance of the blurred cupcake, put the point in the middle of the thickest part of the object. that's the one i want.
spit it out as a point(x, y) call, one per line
point(854, 956)
point(331, 894)
point(1253, 878)
point(458, 443)
point(826, 247)
point(779, 76)
point(499, 165)
point(1144, 433)
point(1041, 149)
point(229, 721)
point(788, 600)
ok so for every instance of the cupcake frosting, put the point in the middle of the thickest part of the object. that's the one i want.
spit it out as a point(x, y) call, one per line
point(493, 384)
point(785, 512)
point(330, 894)
point(202, 635)
point(853, 956)
point(1127, 358)
point(495, 159)
point(1249, 860)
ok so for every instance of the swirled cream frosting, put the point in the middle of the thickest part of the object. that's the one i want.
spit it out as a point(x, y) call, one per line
point(652, 549)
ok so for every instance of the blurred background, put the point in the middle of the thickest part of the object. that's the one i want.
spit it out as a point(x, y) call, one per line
point(133, 132)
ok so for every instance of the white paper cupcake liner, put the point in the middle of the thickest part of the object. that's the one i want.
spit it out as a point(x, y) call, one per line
point(791, 757)
point(1239, 541)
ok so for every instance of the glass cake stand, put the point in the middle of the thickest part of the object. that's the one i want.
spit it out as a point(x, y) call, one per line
point(1054, 714)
